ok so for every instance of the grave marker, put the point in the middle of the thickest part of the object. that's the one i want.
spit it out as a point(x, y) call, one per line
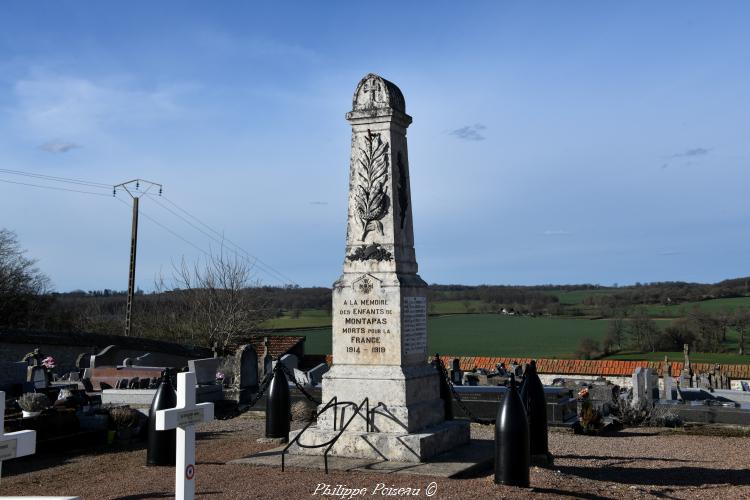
point(14, 444)
point(183, 417)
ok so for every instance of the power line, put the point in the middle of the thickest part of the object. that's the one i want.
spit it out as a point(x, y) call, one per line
point(255, 260)
point(267, 268)
point(57, 179)
point(165, 228)
point(53, 187)
point(221, 240)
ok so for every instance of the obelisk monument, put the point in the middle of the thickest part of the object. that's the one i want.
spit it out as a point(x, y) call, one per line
point(380, 302)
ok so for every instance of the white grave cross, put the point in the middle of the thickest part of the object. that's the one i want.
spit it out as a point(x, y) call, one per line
point(14, 444)
point(183, 417)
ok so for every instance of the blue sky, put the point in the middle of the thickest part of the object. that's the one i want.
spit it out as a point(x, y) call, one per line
point(552, 142)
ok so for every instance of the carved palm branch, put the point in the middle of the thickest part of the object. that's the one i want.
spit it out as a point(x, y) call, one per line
point(371, 197)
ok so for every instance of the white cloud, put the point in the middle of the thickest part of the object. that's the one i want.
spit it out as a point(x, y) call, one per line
point(556, 232)
point(53, 105)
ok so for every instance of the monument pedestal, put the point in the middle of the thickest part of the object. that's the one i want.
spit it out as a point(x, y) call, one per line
point(396, 446)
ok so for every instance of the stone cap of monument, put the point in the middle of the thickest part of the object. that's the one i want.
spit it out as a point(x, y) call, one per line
point(377, 97)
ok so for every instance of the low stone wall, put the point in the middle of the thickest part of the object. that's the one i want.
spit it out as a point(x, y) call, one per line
point(66, 346)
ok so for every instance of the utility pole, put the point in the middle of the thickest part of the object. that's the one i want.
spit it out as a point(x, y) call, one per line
point(135, 188)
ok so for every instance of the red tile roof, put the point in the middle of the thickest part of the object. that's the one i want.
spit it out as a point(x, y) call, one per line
point(278, 344)
point(611, 367)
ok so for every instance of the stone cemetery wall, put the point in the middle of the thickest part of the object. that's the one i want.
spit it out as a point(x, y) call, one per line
point(66, 346)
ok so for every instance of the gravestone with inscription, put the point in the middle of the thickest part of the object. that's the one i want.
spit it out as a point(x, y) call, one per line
point(380, 302)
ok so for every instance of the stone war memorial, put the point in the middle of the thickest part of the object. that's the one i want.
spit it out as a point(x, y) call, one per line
point(380, 304)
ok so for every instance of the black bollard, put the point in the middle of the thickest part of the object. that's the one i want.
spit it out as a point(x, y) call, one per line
point(512, 441)
point(537, 411)
point(161, 444)
point(445, 391)
point(277, 405)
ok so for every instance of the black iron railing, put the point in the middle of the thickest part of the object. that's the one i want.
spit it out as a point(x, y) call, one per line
point(333, 403)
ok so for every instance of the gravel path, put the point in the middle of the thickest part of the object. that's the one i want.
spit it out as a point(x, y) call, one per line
point(638, 463)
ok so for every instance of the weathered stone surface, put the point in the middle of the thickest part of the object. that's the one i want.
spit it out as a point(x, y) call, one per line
point(380, 302)
point(399, 447)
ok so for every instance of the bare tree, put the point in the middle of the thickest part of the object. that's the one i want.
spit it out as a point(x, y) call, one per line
point(616, 330)
point(643, 331)
point(216, 300)
point(21, 283)
point(587, 348)
point(741, 321)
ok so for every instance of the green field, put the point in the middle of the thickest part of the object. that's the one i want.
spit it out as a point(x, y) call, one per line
point(308, 318)
point(576, 297)
point(496, 335)
point(713, 305)
point(454, 331)
point(491, 335)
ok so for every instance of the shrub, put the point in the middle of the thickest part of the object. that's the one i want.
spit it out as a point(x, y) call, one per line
point(124, 417)
point(33, 401)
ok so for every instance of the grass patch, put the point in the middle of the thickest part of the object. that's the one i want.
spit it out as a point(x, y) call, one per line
point(713, 306)
point(490, 335)
point(308, 318)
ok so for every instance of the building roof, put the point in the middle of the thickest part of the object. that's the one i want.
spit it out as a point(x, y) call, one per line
point(278, 345)
point(603, 367)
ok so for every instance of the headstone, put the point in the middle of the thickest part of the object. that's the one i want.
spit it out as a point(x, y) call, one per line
point(37, 375)
point(668, 381)
point(315, 374)
point(34, 358)
point(380, 302)
point(267, 358)
point(106, 357)
point(183, 417)
point(164, 360)
point(639, 388)
point(301, 377)
point(14, 444)
point(290, 361)
point(246, 366)
point(686, 377)
point(83, 360)
point(205, 370)
point(457, 375)
point(651, 381)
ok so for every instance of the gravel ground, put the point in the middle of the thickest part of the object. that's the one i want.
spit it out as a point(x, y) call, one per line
point(638, 463)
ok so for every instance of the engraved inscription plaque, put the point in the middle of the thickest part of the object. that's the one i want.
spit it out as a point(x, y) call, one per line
point(414, 325)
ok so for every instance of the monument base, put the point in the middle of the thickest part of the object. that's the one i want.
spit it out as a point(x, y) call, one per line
point(394, 446)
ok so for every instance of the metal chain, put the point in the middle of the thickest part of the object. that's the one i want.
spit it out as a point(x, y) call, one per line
point(261, 390)
point(472, 417)
point(301, 389)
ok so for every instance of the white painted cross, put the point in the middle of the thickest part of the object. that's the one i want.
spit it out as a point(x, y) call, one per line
point(14, 444)
point(183, 417)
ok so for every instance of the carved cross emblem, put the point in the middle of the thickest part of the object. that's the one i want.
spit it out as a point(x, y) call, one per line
point(365, 286)
point(372, 87)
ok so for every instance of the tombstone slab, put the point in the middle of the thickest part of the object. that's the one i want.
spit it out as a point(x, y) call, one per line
point(380, 302)
point(205, 370)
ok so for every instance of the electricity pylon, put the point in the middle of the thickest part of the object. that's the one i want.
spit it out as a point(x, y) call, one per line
point(135, 188)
